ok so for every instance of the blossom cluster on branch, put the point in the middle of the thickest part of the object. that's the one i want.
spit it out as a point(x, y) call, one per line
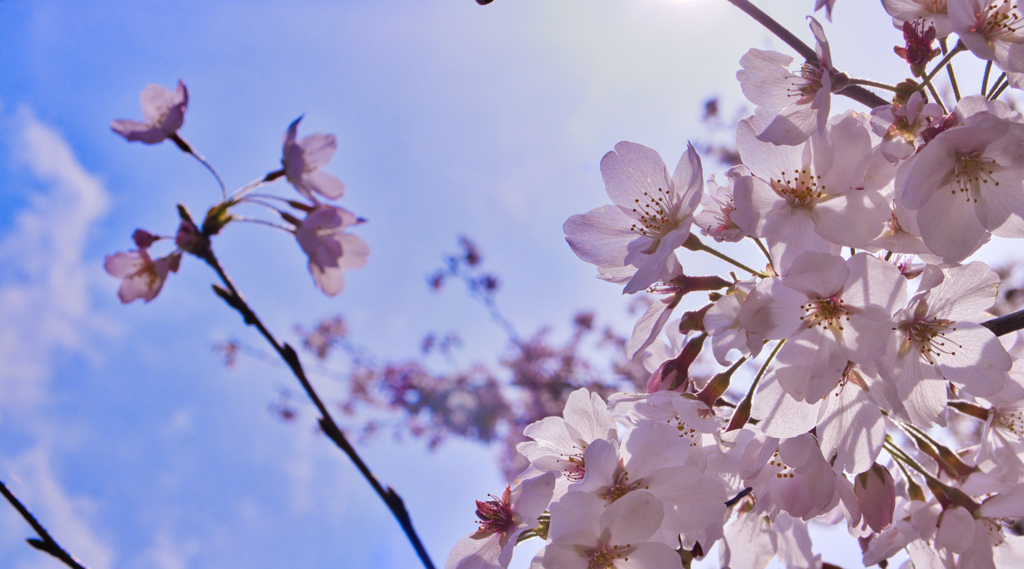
point(864, 323)
point(319, 227)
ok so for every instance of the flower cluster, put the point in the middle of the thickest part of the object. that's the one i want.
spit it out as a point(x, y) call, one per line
point(319, 227)
point(862, 337)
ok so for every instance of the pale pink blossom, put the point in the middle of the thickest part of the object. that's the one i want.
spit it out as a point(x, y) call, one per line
point(585, 534)
point(650, 216)
point(934, 341)
point(900, 126)
point(717, 206)
point(164, 112)
point(831, 311)
point(141, 276)
point(796, 105)
point(966, 182)
point(849, 422)
point(559, 442)
point(502, 521)
point(722, 321)
point(811, 197)
point(652, 457)
point(751, 541)
point(302, 162)
point(931, 12)
point(331, 251)
point(876, 495)
point(790, 476)
point(991, 30)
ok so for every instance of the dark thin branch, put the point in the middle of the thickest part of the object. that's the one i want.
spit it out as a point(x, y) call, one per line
point(732, 501)
point(778, 29)
point(45, 543)
point(855, 92)
point(391, 499)
point(1006, 324)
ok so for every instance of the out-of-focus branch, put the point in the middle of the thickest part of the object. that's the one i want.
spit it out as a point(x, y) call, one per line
point(391, 499)
point(45, 542)
point(1006, 324)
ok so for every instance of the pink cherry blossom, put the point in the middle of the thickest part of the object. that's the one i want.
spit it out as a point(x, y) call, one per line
point(791, 476)
point(331, 251)
point(302, 162)
point(991, 30)
point(502, 521)
point(930, 12)
point(831, 311)
point(933, 341)
point(650, 218)
point(876, 494)
point(141, 276)
point(795, 105)
point(587, 535)
point(966, 182)
point(717, 206)
point(811, 197)
point(164, 112)
point(559, 442)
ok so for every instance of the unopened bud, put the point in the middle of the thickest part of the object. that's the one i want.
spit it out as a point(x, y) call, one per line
point(876, 494)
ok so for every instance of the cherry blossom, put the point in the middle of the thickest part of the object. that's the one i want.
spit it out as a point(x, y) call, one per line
point(559, 442)
point(717, 206)
point(141, 276)
point(164, 112)
point(831, 311)
point(933, 341)
point(587, 535)
point(331, 251)
point(811, 197)
point(929, 12)
point(302, 162)
point(967, 181)
point(991, 30)
point(799, 104)
point(650, 218)
point(502, 521)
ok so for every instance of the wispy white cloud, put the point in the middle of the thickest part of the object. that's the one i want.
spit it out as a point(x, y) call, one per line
point(45, 301)
point(67, 518)
point(46, 310)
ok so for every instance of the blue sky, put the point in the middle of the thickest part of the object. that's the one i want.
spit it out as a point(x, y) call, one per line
point(118, 424)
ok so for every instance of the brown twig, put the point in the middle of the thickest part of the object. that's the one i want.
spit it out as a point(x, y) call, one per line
point(45, 543)
point(391, 499)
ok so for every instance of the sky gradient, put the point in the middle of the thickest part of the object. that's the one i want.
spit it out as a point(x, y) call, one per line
point(119, 425)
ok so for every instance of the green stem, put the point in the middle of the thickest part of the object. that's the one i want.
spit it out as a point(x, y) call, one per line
point(694, 243)
point(984, 79)
point(869, 83)
point(949, 70)
point(1000, 91)
point(938, 67)
point(742, 413)
point(938, 99)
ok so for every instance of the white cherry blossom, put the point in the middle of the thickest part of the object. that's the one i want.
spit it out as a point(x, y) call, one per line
point(650, 216)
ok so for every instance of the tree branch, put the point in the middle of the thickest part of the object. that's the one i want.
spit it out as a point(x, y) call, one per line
point(45, 543)
point(855, 92)
point(1006, 324)
point(391, 499)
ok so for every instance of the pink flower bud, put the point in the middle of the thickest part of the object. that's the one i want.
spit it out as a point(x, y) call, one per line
point(876, 494)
